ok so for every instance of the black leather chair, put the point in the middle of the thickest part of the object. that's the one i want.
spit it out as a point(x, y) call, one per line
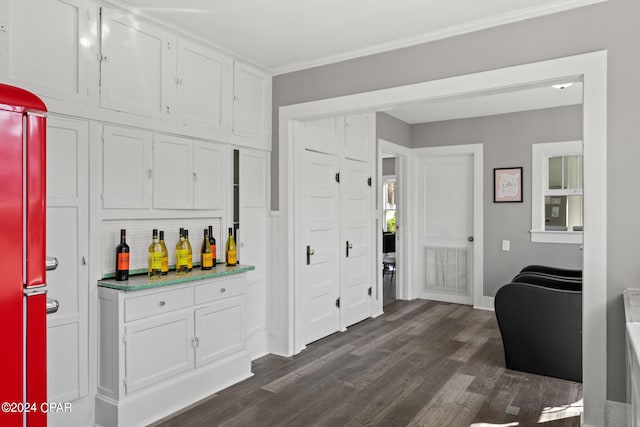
point(540, 319)
point(553, 271)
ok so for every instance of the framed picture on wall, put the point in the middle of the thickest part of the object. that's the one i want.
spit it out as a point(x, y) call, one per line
point(507, 185)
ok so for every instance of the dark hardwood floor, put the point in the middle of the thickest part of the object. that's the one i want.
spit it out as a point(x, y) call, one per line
point(423, 363)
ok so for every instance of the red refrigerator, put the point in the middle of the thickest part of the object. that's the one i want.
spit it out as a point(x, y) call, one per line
point(23, 301)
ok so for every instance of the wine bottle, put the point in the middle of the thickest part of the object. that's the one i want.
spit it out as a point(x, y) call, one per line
point(189, 251)
point(122, 257)
point(206, 263)
point(155, 257)
point(212, 242)
point(231, 254)
point(165, 255)
point(182, 255)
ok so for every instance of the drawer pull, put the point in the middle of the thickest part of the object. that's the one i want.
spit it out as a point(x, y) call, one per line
point(162, 303)
point(222, 290)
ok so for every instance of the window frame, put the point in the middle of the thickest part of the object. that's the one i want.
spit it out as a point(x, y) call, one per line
point(540, 154)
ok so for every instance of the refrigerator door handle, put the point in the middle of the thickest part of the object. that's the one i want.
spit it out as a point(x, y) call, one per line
point(51, 263)
point(52, 306)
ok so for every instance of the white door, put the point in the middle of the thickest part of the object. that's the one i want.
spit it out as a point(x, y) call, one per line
point(320, 224)
point(355, 222)
point(68, 241)
point(444, 252)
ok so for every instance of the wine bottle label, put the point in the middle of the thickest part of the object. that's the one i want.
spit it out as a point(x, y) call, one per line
point(182, 257)
point(156, 260)
point(232, 258)
point(213, 252)
point(123, 261)
point(207, 260)
point(165, 264)
point(189, 261)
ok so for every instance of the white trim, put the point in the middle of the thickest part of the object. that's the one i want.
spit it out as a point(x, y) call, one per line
point(476, 150)
point(593, 67)
point(543, 236)
point(487, 304)
point(617, 414)
point(443, 33)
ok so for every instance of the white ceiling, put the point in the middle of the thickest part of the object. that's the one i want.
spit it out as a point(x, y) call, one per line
point(487, 104)
point(286, 35)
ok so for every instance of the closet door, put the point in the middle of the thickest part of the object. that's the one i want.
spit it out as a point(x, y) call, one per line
point(355, 230)
point(320, 226)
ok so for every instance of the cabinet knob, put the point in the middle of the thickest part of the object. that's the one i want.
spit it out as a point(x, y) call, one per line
point(162, 303)
point(222, 290)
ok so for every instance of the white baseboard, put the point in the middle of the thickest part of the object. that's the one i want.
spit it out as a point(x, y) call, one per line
point(487, 304)
point(617, 414)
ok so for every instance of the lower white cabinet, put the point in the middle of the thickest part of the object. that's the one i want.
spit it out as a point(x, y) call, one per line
point(165, 348)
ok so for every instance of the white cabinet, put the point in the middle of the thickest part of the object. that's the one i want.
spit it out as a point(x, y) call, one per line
point(173, 172)
point(44, 47)
point(203, 87)
point(162, 349)
point(209, 178)
point(251, 105)
point(126, 168)
point(135, 58)
point(187, 174)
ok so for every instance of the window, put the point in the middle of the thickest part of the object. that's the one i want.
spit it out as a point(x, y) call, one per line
point(389, 203)
point(557, 208)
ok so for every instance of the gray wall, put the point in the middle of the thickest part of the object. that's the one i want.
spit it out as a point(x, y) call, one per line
point(507, 140)
point(393, 130)
point(611, 25)
point(389, 166)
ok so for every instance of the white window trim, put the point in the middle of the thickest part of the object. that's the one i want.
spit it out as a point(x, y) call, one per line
point(540, 154)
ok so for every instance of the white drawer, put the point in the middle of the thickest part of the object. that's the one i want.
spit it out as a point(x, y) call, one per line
point(219, 288)
point(157, 303)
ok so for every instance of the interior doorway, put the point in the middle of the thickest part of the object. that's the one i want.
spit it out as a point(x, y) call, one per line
point(389, 206)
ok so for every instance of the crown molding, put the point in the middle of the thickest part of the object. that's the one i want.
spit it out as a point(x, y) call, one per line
point(451, 31)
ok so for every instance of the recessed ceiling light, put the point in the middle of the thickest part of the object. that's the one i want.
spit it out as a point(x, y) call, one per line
point(562, 85)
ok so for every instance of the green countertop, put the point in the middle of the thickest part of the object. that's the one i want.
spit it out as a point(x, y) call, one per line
point(140, 282)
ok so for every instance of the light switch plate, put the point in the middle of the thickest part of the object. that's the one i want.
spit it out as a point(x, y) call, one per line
point(506, 245)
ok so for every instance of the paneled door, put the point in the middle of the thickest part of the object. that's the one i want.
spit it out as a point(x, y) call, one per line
point(445, 241)
point(67, 240)
point(321, 227)
point(355, 221)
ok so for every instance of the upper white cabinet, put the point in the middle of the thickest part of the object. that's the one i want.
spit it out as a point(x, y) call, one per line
point(187, 174)
point(203, 87)
point(126, 168)
point(135, 57)
point(44, 46)
point(251, 105)
point(209, 174)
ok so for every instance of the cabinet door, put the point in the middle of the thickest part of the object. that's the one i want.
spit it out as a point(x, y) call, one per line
point(209, 173)
point(68, 241)
point(219, 330)
point(172, 172)
point(126, 168)
point(252, 235)
point(137, 66)
point(158, 348)
point(359, 138)
point(203, 86)
point(41, 48)
point(252, 99)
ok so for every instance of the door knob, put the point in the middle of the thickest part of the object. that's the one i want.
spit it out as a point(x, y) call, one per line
point(470, 238)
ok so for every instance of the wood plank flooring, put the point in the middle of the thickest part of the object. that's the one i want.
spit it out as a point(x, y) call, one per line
point(423, 363)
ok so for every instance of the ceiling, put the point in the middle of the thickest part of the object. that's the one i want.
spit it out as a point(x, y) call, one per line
point(287, 35)
point(488, 103)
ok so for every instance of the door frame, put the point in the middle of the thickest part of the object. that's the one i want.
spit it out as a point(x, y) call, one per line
point(403, 275)
point(476, 151)
point(592, 68)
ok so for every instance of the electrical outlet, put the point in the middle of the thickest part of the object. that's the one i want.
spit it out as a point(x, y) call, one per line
point(506, 245)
